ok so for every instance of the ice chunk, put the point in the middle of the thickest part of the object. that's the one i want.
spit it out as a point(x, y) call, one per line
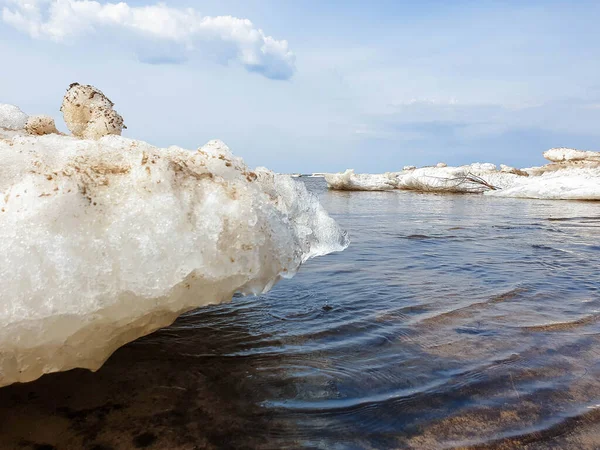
point(349, 181)
point(509, 169)
point(482, 167)
point(12, 118)
point(40, 125)
point(105, 241)
point(441, 164)
point(89, 114)
point(474, 178)
point(571, 155)
point(565, 184)
point(534, 171)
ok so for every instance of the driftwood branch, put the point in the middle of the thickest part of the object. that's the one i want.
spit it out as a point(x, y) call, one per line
point(478, 180)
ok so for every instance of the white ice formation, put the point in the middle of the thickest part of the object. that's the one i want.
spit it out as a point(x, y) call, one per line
point(570, 155)
point(474, 178)
point(571, 175)
point(441, 178)
point(12, 118)
point(349, 181)
point(89, 114)
point(103, 241)
point(565, 184)
point(513, 170)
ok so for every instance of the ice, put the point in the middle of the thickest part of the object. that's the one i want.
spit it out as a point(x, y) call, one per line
point(514, 170)
point(349, 181)
point(12, 118)
point(104, 241)
point(474, 178)
point(572, 175)
point(570, 155)
point(565, 184)
point(573, 178)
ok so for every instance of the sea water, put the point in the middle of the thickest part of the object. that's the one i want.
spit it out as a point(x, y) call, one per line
point(450, 321)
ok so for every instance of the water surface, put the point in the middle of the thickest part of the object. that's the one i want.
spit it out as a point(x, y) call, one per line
point(450, 322)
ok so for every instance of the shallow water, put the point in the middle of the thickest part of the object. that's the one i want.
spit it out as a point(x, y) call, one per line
point(451, 321)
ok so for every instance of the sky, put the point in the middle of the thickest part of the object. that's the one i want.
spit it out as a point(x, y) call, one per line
point(321, 86)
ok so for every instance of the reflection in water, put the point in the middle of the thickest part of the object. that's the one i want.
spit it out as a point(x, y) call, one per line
point(451, 321)
point(178, 388)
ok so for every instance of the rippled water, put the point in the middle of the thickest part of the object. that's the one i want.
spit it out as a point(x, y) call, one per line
point(451, 321)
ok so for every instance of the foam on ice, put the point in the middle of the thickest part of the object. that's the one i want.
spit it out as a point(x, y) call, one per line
point(104, 241)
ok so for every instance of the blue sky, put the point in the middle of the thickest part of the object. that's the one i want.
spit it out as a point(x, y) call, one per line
point(372, 85)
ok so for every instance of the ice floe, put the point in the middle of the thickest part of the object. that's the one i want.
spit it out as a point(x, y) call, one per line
point(564, 184)
point(106, 239)
point(349, 181)
point(474, 178)
point(570, 155)
point(570, 175)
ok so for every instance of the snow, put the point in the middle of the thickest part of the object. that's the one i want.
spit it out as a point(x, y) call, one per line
point(349, 181)
point(104, 241)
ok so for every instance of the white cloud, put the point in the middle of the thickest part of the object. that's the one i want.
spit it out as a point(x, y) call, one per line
point(224, 38)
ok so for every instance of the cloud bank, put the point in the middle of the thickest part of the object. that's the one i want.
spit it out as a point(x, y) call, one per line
point(222, 38)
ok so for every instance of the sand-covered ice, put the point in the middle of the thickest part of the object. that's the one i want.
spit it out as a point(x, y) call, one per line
point(103, 241)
